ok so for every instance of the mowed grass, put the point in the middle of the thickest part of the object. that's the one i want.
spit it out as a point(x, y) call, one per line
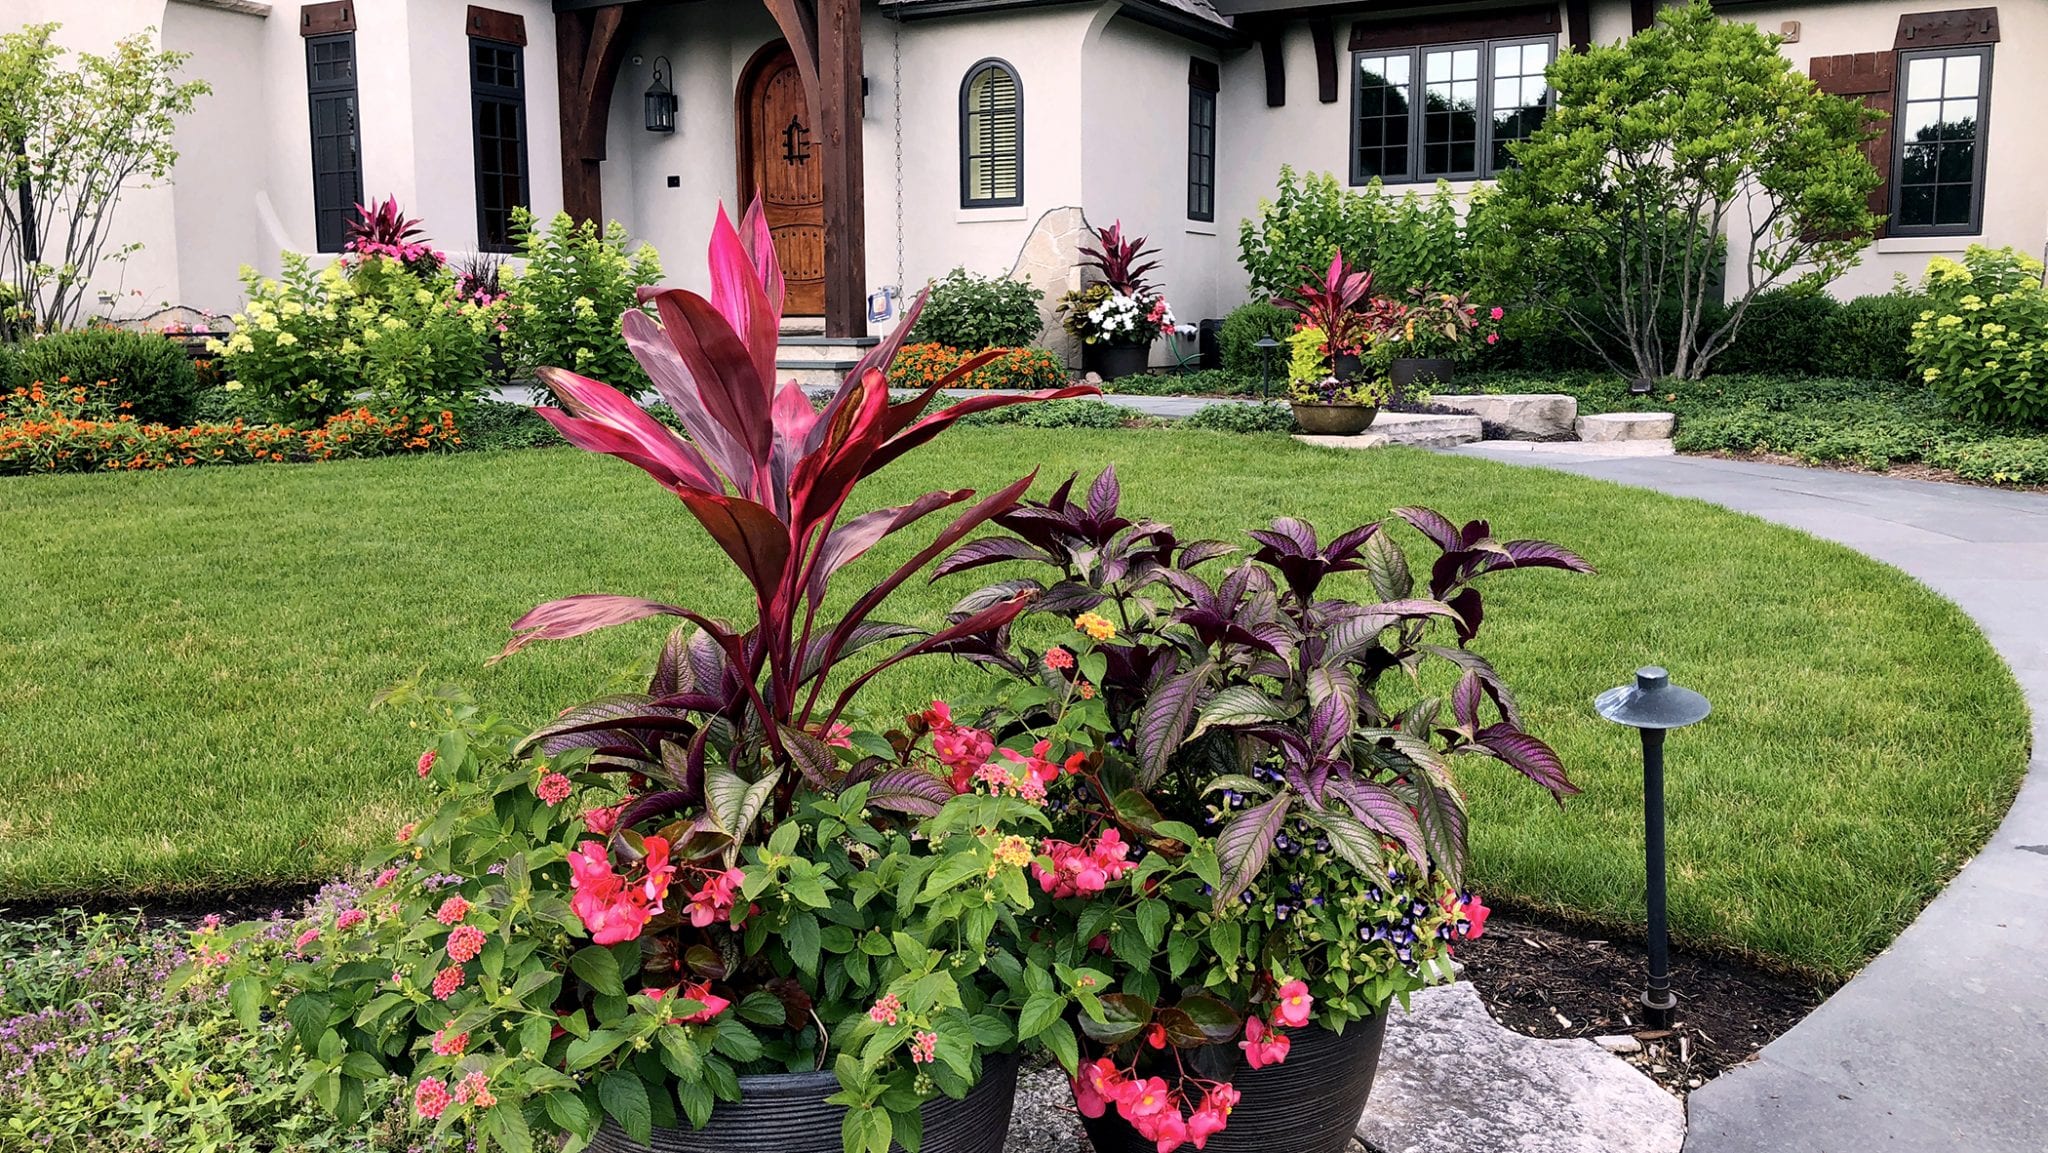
point(186, 661)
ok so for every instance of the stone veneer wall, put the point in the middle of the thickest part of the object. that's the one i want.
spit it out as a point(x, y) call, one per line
point(1051, 262)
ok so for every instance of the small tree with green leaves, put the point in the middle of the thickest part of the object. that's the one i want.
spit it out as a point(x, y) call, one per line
point(73, 138)
point(1617, 211)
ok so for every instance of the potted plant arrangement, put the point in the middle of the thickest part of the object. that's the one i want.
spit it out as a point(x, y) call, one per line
point(1117, 317)
point(701, 917)
point(1431, 331)
point(1259, 842)
point(1323, 403)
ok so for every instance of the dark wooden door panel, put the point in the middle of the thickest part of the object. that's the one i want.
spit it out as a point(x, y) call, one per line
point(780, 161)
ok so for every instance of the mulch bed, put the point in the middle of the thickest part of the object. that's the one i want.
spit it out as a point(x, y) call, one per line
point(1552, 982)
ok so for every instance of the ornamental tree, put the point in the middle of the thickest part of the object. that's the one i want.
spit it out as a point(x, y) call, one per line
point(1617, 211)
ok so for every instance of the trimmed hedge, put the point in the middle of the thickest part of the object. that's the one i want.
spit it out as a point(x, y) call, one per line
point(1244, 327)
point(146, 371)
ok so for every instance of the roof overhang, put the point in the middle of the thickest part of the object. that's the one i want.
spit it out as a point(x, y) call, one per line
point(1153, 13)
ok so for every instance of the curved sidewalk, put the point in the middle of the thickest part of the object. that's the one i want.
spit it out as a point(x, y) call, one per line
point(1941, 1044)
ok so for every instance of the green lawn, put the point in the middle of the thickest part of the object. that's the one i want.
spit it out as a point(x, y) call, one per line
point(185, 661)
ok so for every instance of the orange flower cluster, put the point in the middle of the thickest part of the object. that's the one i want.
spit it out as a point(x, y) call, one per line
point(923, 365)
point(73, 431)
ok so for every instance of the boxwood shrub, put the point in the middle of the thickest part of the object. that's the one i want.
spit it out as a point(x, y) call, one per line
point(147, 371)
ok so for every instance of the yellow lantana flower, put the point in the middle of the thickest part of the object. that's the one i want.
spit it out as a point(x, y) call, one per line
point(1095, 625)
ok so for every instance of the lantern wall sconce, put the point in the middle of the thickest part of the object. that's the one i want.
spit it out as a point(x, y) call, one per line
point(661, 99)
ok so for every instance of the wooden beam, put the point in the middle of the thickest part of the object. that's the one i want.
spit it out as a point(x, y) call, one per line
point(1272, 46)
point(1326, 58)
point(589, 43)
point(798, 22)
point(1641, 14)
point(1578, 22)
point(839, 122)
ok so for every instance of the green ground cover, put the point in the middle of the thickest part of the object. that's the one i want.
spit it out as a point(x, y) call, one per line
point(186, 659)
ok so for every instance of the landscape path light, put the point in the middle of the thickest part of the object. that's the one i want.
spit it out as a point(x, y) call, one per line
point(1653, 706)
point(1265, 345)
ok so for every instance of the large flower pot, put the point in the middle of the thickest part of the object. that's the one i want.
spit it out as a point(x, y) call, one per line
point(1307, 1104)
point(1110, 361)
point(1411, 372)
point(787, 1113)
point(1335, 419)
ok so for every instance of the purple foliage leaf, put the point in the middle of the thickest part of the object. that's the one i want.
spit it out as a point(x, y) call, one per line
point(1245, 843)
point(910, 790)
point(1529, 755)
point(1384, 810)
point(1168, 714)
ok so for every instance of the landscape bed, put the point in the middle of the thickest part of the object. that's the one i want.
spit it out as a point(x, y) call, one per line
point(190, 658)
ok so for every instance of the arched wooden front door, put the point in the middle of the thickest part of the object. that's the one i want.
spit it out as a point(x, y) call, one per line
point(779, 160)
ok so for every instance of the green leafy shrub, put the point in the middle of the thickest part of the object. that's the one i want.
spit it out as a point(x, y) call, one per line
point(1997, 460)
point(1407, 242)
point(971, 312)
point(563, 307)
point(358, 333)
point(1056, 414)
point(1869, 337)
point(1195, 382)
point(495, 425)
point(1245, 418)
point(1244, 327)
point(103, 1052)
point(145, 369)
point(1982, 344)
point(1785, 333)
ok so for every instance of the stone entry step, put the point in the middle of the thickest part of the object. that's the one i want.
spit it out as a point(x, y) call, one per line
point(817, 361)
point(1610, 426)
point(1422, 430)
point(1519, 416)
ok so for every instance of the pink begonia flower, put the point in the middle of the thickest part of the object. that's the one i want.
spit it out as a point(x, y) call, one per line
point(1151, 1096)
point(1097, 1086)
point(962, 749)
point(611, 909)
point(1262, 1045)
point(839, 736)
point(1497, 312)
point(601, 822)
point(1214, 1113)
point(1295, 1004)
point(1493, 338)
point(699, 992)
point(714, 901)
point(1167, 1131)
point(1476, 912)
point(1080, 871)
point(1036, 767)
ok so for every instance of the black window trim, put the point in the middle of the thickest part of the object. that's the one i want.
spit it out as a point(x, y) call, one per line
point(967, 199)
point(479, 92)
point(1197, 98)
point(315, 91)
point(1483, 166)
point(1901, 67)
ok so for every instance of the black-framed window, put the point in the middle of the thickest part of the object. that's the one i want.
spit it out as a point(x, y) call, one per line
point(991, 136)
point(1445, 111)
point(497, 96)
point(337, 142)
point(1203, 81)
point(1944, 99)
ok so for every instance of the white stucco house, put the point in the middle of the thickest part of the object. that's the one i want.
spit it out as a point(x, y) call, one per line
point(895, 139)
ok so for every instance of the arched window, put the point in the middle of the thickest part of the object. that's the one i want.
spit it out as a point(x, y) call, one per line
point(991, 137)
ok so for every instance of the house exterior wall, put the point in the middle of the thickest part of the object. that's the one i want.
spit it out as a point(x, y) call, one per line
point(1134, 148)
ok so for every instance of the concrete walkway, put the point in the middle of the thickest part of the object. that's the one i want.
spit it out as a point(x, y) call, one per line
point(1940, 1045)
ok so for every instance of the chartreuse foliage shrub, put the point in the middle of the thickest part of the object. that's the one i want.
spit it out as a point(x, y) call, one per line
point(146, 372)
point(1408, 242)
point(1982, 344)
point(563, 306)
point(969, 312)
point(361, 333)
point(922, 365)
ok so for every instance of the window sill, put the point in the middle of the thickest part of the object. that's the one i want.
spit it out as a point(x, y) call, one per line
point(991, 215)
point(1953, 242)
point(1201, 228)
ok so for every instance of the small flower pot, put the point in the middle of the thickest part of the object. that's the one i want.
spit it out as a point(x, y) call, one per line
point(1308, 1104)
point(1410, 372)
point(787, 1113)
point(1345, 365)
point(1110, 361)
point(1335, 419)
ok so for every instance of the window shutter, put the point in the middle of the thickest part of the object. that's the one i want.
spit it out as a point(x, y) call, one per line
point(992, 136)
point(1869, 77)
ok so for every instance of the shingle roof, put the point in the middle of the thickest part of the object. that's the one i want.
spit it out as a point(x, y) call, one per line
point(1196, 12)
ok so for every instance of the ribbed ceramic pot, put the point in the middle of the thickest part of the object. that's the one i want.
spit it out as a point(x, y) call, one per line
point(1110, 361)
point(1335, 419)
point(1309, 1103)
point(787, 1113)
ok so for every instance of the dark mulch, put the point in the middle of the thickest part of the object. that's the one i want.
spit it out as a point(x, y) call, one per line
point(1553, 982)
point(183, 908)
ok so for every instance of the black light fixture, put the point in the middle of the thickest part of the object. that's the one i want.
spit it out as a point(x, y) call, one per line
point(661, 99)
point(1640, 386)
point(1265, 345)
point(1652, 706)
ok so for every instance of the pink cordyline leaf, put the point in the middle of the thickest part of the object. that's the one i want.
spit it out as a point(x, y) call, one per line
point(739, 296)
point(599, 418)
point(760, 245)
point(574, 616)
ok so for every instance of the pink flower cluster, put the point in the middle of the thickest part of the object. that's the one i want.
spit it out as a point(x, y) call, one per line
point(1264, 1044)
point(612, 907)
point(1157, 1111)
point(553, 789)
point(961, 748)
point(713, 902)
point(427, 760)
point(884, 1011)
point(384, 879)
point(475, 1090)
point(924, 1048)
point(465, 943)
point(1082, 870)
point(452, 911)
point(430, 1098)
point(446, 1044)
point(349, 919)
point(304, 939)
point(447, 981)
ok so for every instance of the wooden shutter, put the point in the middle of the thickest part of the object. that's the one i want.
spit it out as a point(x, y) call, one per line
point(991, 130)
point(1869, 77)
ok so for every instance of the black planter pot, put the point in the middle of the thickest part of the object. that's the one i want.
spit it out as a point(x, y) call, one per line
point(1411, 372)
point(1307, 1104)
point(1110, 361)
point(787, 1113)
point(1345, 365)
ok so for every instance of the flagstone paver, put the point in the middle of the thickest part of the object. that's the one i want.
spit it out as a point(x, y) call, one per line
point(1941, 1043)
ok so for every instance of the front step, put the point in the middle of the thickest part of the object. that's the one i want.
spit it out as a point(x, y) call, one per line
point(1611, 426)
point(816, 361)
point(1418, 429)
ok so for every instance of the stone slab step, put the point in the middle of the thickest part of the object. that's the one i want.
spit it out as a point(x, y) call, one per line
point(808, 349)
point(1606, 426)
point(1452, 1080)
point(1522, 416)
point(1422, 430)
point(826, 375)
